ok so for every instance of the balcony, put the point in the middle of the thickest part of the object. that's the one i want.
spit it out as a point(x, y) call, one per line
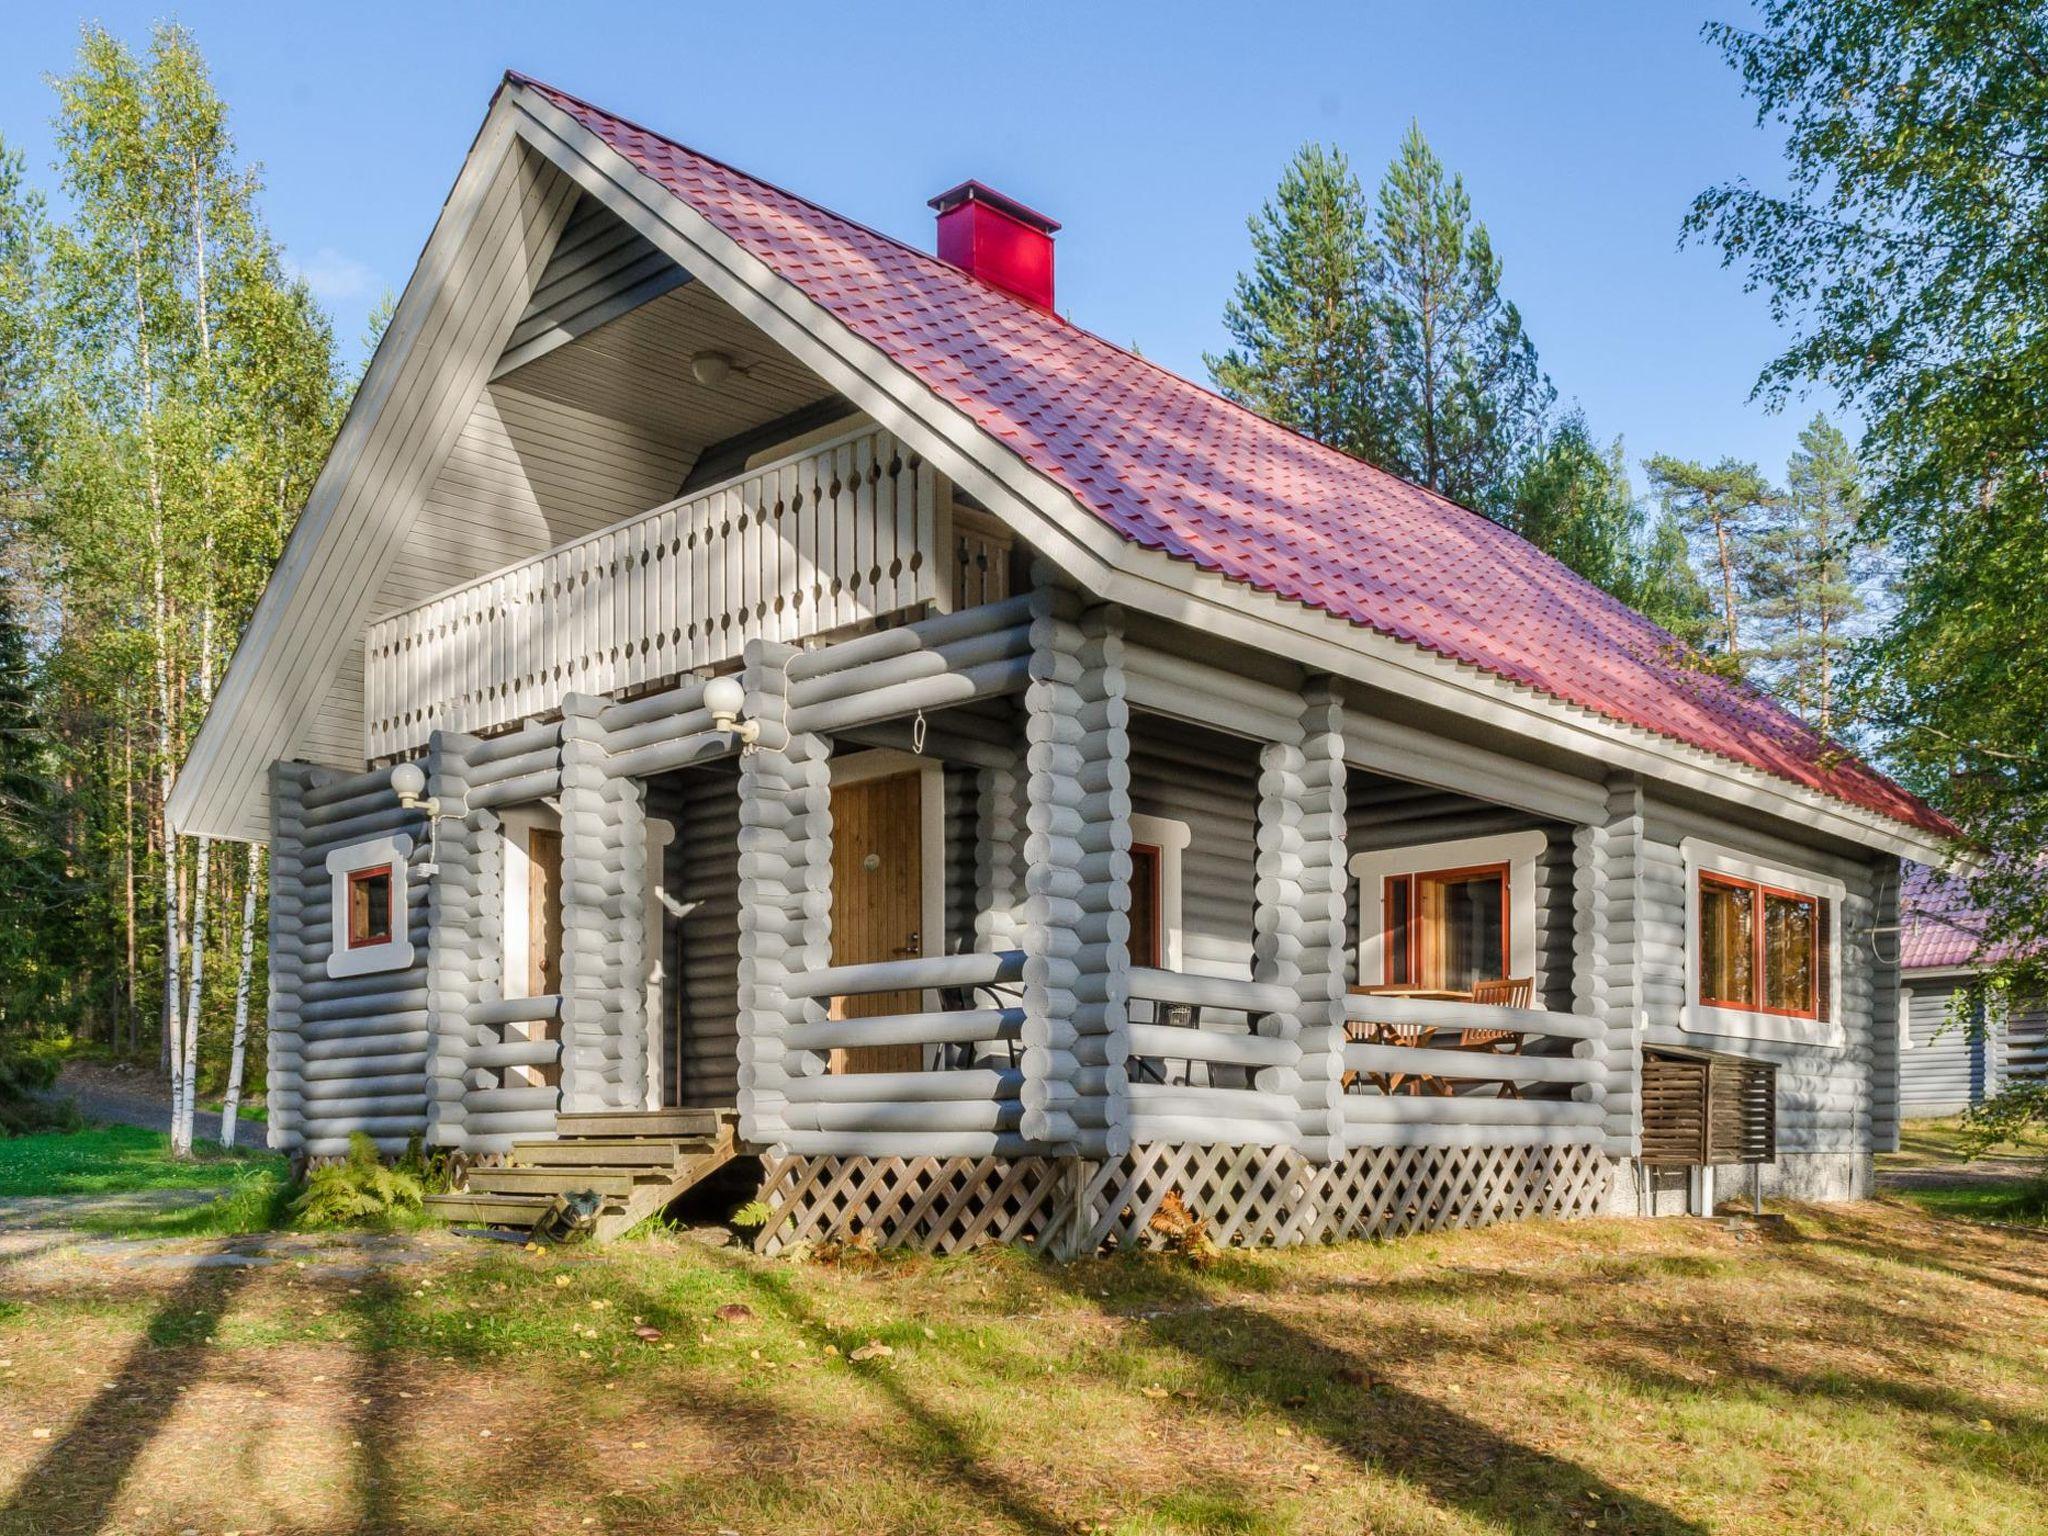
point(827, 540)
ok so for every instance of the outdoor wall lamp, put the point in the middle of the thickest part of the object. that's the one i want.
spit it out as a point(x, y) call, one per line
point(725, 698)
point(410, 785)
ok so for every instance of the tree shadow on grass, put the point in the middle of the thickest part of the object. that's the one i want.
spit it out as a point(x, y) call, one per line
point(1384, 1430)
point(73, 1484)
point(1957, 1250)
point(389, 1345)
point(1002, 1492)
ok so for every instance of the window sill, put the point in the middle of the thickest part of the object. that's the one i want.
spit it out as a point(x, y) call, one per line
point(1777, 1028)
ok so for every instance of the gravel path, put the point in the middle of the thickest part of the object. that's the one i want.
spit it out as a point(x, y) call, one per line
point(125, 1096)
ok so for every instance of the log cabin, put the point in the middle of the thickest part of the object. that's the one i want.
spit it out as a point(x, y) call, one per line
point(1959, 1044)
point(744, 687)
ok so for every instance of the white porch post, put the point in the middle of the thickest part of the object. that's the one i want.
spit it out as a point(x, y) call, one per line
point(1607, 962)
point(464, 956)
point(785, 893)
point(1298, 921)
point(1077, 881)
point(604, 880)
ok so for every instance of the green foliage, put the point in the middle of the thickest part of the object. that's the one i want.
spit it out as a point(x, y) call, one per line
point(112, 1158)
point(1306, 351)
point(360, 1189)
point(750, 1217)
point(2014, 1119)
point(1904, 257)
point(1806, 572)
point(1465, 401)
point(1380, 328)
point(167, 394)
point(28, 1071)
point(1722, 505)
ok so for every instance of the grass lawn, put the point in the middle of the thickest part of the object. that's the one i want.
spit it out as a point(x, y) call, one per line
point(1864, 1369)
point(110, 1160)
point(2009, 1186)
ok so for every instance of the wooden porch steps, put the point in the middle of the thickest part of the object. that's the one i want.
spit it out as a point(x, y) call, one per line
point(638, 1162)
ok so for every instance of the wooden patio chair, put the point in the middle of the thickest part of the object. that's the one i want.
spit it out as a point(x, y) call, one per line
point(1513, 992)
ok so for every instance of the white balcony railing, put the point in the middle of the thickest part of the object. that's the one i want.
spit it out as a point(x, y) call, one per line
point(842, 533)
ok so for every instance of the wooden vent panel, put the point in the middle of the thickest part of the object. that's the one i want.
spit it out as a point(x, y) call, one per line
point(1707, 1108)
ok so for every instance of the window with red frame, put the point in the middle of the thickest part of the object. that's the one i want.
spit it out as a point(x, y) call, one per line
point(369, 907)
point(1762, 949)
point(1446, 929)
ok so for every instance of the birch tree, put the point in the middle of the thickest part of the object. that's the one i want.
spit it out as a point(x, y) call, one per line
point(189, 397)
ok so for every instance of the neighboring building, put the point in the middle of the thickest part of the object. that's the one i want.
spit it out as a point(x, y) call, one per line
point(1952, 1054)
point(743, 682)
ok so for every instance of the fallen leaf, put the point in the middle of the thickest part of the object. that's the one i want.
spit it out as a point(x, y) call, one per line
point(1153, 1391)
point(735, 1312)
point(874, 1349)
point(638, 1445)
point(647, 1333)
point(561, 1279)
point(39, 1434)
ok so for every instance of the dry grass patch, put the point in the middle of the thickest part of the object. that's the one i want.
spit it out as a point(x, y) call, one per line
point(1870, 1369)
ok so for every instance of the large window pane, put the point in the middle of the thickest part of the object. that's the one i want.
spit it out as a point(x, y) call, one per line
point(1728, 944)
point(1790, 946)
point(1462, 918)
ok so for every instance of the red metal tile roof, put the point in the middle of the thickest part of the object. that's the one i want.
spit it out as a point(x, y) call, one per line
point(1170, 465)
point(1939, 927)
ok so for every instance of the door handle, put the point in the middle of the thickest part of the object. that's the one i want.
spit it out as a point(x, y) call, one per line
point(914, 947)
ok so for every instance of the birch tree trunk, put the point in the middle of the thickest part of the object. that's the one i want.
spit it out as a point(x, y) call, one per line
point(167, 773)
point(188, 1090)
point(238, 1050)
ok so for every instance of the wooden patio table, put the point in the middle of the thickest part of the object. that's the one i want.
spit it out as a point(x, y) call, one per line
point(1368, 1033)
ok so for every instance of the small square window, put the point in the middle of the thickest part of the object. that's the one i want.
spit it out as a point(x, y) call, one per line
point(367, 882)
point(369, 906)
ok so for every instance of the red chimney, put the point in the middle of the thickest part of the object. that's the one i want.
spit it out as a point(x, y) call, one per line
point(998, 240)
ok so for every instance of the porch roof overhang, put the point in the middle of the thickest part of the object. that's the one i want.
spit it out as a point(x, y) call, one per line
point(1785, 772)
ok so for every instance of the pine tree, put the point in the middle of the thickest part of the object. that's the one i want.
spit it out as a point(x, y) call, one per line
point(1668, 590)
point(1466, 401)
point(1573, 500)
point(1722, 504)
point(1306, 352)
point(1804, 571)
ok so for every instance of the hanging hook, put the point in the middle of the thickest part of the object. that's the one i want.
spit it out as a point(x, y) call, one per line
point(917, 734)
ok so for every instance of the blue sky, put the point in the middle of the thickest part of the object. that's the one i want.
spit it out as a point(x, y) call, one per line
point(1150, 132)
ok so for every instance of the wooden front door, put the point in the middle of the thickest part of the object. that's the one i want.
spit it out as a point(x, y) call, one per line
point(877, 903)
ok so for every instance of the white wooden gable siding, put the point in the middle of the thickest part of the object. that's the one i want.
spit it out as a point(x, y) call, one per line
point(840, 534)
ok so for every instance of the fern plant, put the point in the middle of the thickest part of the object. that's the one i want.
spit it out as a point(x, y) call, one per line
point(360, 1188)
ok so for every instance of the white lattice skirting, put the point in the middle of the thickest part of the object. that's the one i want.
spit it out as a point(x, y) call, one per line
point(1248, 1196)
